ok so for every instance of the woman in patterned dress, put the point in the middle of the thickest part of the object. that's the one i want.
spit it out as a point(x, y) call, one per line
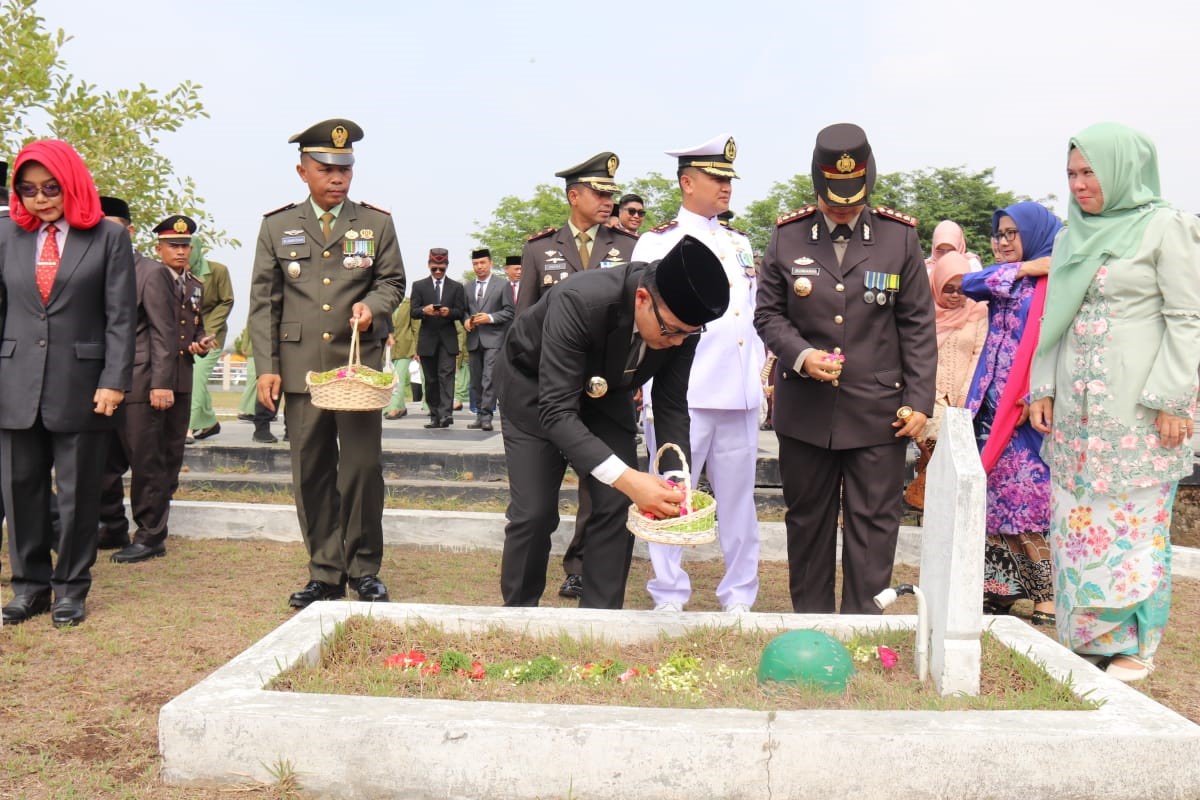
point(1114, 385)
point(1016, 556)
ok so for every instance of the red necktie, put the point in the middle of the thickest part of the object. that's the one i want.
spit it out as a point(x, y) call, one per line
point(47, 263)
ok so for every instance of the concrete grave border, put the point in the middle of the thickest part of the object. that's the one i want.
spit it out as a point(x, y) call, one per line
point(228, 728)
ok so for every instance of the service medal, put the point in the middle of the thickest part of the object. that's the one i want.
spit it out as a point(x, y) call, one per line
point(367, 262)
point(868, 296)
point(293, 269)
point(351, 262)
point(367, 234)
point(596, 387)
point(881, 299)
point(802, 287)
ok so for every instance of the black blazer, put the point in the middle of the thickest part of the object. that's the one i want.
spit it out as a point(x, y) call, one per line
point(583, 330)
point(54, 357)
point(438, 330)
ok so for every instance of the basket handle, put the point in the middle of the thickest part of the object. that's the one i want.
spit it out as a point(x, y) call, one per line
point(355, 355)
point(687, 471)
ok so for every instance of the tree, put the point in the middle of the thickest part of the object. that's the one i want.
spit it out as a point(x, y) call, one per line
point(758, 220)
point(515, 219)
point(117, 133)
point(660, 196)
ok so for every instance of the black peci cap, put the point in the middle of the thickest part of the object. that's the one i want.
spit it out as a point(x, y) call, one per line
point(843, 168)
point(482, 252)
point(512, 261)
point(330, 141)
point(115, 207)
point(692, 282)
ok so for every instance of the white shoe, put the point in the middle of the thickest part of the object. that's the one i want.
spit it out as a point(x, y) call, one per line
point(1141, 669)
point(738, 608)
point(674, 608)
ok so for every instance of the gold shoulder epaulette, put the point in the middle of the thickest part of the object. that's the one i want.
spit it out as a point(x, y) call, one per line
point(374, 208)
point(666, 226)
point(799, 213)
point(281, 208)
point(541, 234)
point(891, 213)
point(727, 226)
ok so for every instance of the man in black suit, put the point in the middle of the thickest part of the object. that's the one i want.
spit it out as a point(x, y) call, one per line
point(67, 290)
point(570, 367)
point(490, 308)
point(149, 438)
point(438, 302)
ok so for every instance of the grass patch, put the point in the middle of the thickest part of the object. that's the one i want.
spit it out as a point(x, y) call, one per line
point(708, 667)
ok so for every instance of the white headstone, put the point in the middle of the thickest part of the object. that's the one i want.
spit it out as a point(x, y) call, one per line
point(952, 545)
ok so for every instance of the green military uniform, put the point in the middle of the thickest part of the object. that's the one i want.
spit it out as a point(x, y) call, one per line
point(404, 347)
point(462, 375)
point(216, 301)
point(305, 283)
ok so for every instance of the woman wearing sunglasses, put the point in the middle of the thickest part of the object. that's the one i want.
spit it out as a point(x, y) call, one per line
point(67, 290)
point(1016, 556)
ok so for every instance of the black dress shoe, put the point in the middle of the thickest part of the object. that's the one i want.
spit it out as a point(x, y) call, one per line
point(370, 589)
point(68, 611)
point(139, 552)
point(204, 433)
point(314, 591)
point(107, 540)
point(447, 422)
point(24, 606)
point(264, 437)
point(487, 426)
point(246, 417)
point(571, 587)
point(433, 423)
point(475, 426)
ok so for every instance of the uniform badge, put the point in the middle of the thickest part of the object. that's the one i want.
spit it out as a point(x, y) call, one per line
point(358, 250)
point(293, 269)
point(810, 271)
point(596, 387)
point(803, 261)
point(816, 232)
point(802, 287)
point(352, 235)
point(351, 262)
point(866, 232)
point(562, 276)
point(292, 237)
point(548, 280)
point(367, 234)
point(744, 260)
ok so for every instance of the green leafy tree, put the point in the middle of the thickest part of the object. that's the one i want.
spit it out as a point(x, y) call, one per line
point(117, 133)
point(516, 218)
point(758, 220)
point(241, 345)
point(659, 194)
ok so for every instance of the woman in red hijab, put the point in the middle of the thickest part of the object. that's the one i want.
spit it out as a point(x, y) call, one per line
point(66, 355)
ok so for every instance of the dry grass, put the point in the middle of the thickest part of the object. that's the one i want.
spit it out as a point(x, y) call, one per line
point(79, 707)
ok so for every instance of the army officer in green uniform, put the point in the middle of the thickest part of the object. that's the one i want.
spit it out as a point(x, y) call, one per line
point(320, 265)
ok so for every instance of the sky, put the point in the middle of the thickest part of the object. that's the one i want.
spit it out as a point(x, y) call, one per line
point(463, 103)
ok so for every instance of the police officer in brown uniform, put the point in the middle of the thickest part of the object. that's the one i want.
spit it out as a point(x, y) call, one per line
point(322, 265)
point(844, 302)
point(551, 256)
point(149, 439)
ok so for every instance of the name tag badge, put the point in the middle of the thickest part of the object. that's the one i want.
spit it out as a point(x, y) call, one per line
point(811, 272)
point(286, 240)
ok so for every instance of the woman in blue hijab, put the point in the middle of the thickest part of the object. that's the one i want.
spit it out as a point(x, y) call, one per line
point(1017, 556)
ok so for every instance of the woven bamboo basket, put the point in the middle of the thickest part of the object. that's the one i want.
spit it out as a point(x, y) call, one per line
point(352, 387)
point(698, 526)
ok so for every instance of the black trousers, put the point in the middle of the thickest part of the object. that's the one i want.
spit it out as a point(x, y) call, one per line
point(337, 472)
point(438, 371)
point(150, 444)
point(535, 473)
point(868, 484)
point(26, 459)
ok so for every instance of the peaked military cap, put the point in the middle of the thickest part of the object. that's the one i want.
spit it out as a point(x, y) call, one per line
point(512, 261)
point(692, 282)
point(176, 228)
point(843, 168)
point(597, 172)
point(115, 207)
point(482, 252)
point(714, 156)
point(438, 257)
point(330, 142)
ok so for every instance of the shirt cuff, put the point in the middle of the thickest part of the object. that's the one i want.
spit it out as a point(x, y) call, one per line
point(798, 367)
point(608, 470)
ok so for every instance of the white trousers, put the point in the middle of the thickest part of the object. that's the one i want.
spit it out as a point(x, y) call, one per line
point(727, 442)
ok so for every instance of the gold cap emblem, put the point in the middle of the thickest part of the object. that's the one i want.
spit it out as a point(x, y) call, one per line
point(612, 165)
point(180, 226)
point(339, 136)
point(730, 150)
point(846, 163)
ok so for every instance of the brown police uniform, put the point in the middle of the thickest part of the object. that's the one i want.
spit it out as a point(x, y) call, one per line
point(836, 438)
point(303, 287)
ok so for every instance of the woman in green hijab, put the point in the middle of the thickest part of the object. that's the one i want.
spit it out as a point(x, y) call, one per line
point(1114, 385)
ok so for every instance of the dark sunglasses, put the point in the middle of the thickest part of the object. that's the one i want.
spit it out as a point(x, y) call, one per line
point(953, 290)
point(437, 269)
point(662, 326)
point(635, 212)
point(47, 190)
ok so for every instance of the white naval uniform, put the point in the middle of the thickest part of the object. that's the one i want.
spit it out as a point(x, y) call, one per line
point(724, 397)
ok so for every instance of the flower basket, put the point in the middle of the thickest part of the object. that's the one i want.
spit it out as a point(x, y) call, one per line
point(698, 526)
point(352, 387)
